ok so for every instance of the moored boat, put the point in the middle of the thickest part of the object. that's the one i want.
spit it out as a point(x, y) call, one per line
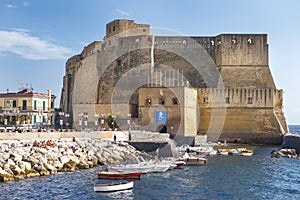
point(247, 152)
point(142, 166)
point(112, 187)
point(192, 160)
point(119, 175)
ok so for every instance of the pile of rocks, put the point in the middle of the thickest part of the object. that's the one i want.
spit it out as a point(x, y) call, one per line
point(285, 153)
point(20, 160)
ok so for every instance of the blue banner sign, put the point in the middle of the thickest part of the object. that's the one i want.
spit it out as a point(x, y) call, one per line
point(161, 116)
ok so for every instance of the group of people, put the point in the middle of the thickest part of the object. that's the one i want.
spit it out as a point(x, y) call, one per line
point(44, 144)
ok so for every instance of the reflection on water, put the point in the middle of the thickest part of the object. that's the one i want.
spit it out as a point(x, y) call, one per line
point(231, 177)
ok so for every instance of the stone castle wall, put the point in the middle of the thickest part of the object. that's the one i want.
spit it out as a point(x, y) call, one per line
point(129, 53)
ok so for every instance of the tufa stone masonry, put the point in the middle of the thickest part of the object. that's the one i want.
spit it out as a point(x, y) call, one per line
point(220, 86)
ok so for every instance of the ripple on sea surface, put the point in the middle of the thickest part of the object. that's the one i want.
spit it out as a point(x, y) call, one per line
point(224, 177)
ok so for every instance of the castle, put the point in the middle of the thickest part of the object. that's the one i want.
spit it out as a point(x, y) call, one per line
point(220, 86)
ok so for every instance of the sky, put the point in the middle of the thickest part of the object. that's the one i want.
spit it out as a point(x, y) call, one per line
point(37, 37)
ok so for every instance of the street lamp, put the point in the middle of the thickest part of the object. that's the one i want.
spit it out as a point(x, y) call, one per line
point(85, 117)
point(16, 113)
point(67, 120)
point(5, 119)
point(29, 114)
point(129, 125)
point(61, 121)
point(80, 115)
point(96, 120)
point(102, 121)
point(40, 114)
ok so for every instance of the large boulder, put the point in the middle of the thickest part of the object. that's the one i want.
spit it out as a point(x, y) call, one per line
point(291, 141)
point(69, 166)
point(5, 176)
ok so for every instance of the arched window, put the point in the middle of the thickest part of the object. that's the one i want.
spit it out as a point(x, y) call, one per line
point(161, 101)
point(233, 41)
point(174, 101)
point(249, 41)
point(148, 102)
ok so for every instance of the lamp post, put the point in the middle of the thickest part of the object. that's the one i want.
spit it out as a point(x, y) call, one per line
point(102, 121)
point(5, 119)
point(96, 121)
point(85, 117)
point(40, 114)
point(129, 125)
point(80, 116)
point(61, 121)
point(67, 120)
point(16, 113)
point(29, 114)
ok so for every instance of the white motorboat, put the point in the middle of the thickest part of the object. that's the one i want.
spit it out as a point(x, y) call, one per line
point(203, 149)
point(142, 166)
point(112, 187)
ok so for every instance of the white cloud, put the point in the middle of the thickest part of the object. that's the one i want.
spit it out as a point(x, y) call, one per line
point(26, 3)
point(123, 13)
point(10, 6)
point(30, 47)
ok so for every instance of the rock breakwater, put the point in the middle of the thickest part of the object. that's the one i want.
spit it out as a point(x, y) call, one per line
point(20, 159)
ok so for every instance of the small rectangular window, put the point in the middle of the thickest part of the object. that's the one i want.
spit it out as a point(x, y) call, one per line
point(250, 100)
point(14, 103)
point(144, 30)
point(227, 100)
point(24, 105)
point(205, 100)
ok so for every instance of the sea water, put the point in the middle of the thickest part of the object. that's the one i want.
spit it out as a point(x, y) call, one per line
point(223, 177)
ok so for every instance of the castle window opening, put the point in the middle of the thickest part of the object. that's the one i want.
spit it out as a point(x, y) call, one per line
point(205, 99)
point(212, 42)
point(233, 41)
point(109, 42)
point(249, 41)
point(161, 101)
point(227, 100)
point(144, 30)
point(114, 28)
point(175, 101)
point(148, 102)
point(219, 42)
point(184, 42)
point(109, 30)
point(119, 62)
point(250, 100)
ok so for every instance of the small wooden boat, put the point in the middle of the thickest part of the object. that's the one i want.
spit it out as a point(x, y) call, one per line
point(119, 175)
point(195, 161)
point(192, 160)
point(247, 152)
point(112, 187)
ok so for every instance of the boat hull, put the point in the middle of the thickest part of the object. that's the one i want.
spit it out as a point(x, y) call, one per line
point(194, 161)
point(113, 187)
point(119, 175)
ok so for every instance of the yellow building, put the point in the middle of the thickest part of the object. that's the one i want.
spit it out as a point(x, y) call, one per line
point(26, 109)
